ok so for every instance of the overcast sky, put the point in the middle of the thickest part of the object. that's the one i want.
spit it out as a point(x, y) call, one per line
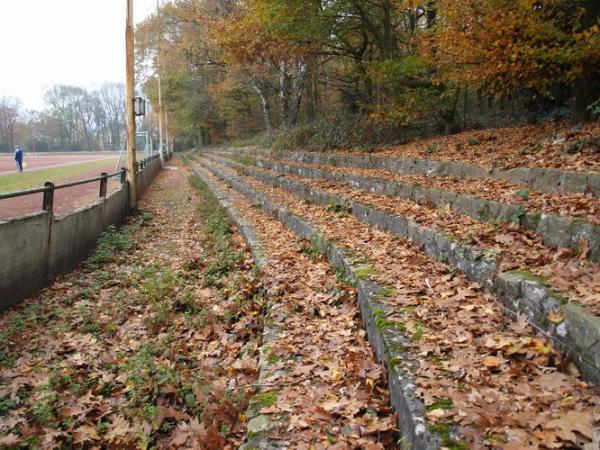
point(77, 42)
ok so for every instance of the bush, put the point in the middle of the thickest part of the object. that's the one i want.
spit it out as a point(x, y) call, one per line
point(342, 133)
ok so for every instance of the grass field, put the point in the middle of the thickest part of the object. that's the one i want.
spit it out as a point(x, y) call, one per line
point(27, 180)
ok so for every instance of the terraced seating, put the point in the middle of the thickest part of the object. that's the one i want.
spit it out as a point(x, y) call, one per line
point(446, 341)
point(561, 220)
point(541, 179)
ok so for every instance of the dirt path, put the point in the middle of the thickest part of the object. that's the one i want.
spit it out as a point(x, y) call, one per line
point(146, 344)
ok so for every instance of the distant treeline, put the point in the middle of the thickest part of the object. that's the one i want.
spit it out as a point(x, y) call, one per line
point(74, 119)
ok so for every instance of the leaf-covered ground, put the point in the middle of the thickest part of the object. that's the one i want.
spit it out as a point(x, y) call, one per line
point(552, 144)
point(154, 342)
point(504, 385)
point(583, 205)
point(573, 274)
point(151, 344)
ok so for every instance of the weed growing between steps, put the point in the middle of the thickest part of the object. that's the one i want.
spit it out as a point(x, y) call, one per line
point(218, 242)
point(151, 344)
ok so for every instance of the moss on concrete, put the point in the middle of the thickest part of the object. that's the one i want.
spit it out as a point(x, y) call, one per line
point(444, 431)
point(265, 399)
point(529, 276)
point(385, 324)
point(364, 272)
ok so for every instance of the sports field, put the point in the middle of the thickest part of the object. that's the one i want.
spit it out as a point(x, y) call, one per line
point(58, 168)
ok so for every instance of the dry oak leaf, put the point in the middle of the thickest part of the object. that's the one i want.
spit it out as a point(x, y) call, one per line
point(435, 414)
point(492, 362)
point(85, 433)
point(179, 438)
point(118, 427)
point(573, 421)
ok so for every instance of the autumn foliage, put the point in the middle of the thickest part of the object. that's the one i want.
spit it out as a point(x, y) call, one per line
point(503, 46)
point(441, 64)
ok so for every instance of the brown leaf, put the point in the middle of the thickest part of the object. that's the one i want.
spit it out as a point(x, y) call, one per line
point(168, 412)
point(492, 362)
point(84, 434)
point(572, 422)
point(179, 438)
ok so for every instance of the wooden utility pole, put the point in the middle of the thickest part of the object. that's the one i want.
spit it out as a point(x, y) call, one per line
point(167, 132)
point(130, 94)
point(160, 112)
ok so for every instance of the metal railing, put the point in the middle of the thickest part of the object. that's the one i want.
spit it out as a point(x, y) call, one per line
point(49, 188)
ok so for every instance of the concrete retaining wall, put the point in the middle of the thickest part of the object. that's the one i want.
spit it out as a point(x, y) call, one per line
point(24, 251)
point(36, 247)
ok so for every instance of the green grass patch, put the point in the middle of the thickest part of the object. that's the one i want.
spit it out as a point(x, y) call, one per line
point(444, 403)
point(110, 243)
point(219, 243)
point(266, 399)
point(244, 159)
point(37, 178)
point(387, 292)
point(258, 140)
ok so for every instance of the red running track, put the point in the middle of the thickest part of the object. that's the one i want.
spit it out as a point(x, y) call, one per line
point(44, 161)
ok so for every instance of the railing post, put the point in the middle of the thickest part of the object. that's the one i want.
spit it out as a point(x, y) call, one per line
point(48, 202)
point(123, 175)
point(103, 184)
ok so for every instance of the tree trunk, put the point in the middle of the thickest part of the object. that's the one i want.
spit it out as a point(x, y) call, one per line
point(585, 92)
point(264, 101)
point(586, 88)
point(291, 88)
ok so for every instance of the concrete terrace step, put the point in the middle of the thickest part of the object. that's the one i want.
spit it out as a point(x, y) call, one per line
point(261, 425)
point(387, 342)
point(541, 179)
point(271, 429)
point(555, 230)
point(393, 343)
point(577, 332)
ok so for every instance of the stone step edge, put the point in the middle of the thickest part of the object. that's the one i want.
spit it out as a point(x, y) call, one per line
point(563, 321)
point(389, 342)
point(478, 266)
point(260, 426)
point(555, 230)
point(541, 179)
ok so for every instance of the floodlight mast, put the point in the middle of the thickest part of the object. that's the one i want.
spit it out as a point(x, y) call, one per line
point(130, 104)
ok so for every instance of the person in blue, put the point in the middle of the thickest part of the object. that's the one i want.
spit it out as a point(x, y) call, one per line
point(19, 158)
